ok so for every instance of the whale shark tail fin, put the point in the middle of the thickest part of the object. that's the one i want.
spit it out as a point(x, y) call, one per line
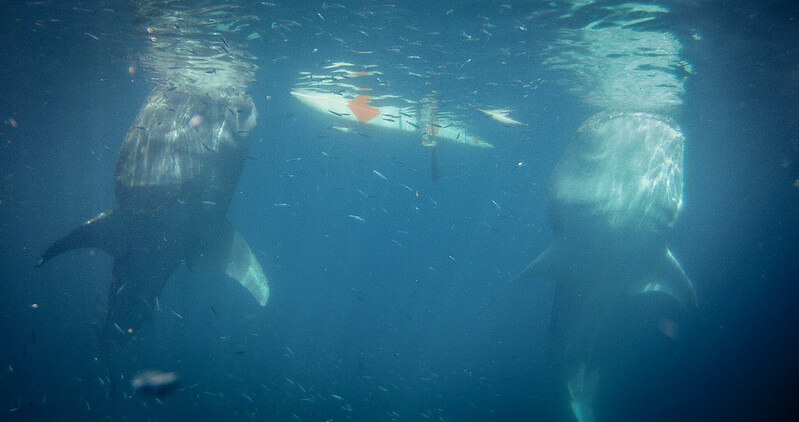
point(229, 253)
point(667, 276)
point(100, 232)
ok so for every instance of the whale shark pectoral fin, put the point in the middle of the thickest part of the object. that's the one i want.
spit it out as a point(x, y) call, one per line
point(100, 232)
point(243, 266)
point(229, 253)
point(669, 277)
point(582, 388)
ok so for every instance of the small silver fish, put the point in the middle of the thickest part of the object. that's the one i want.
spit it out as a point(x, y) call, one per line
point(380, 175)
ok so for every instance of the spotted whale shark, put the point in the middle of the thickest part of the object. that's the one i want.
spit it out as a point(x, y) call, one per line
point(613, 199)
point(175, 176)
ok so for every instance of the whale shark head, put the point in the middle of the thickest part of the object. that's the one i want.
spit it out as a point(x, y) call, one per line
point(623, 172)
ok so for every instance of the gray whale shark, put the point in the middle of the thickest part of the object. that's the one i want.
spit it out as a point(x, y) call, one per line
point(175, 177)
point(613, 198)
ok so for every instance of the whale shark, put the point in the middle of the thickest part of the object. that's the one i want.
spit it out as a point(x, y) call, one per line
point(175, 176)
point(613, 198)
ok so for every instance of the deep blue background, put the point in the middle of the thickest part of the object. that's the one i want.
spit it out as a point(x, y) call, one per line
point(432, 326)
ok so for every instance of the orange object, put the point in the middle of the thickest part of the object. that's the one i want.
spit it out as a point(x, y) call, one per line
point(362, 110)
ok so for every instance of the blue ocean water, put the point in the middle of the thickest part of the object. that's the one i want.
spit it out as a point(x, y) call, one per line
point(413, 312)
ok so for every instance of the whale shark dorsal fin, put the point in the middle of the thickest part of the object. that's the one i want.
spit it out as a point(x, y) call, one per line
point(668, 277)
point(229, 253)
point(100, 232)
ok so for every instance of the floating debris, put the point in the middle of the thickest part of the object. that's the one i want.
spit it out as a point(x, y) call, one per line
point(155, 383)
